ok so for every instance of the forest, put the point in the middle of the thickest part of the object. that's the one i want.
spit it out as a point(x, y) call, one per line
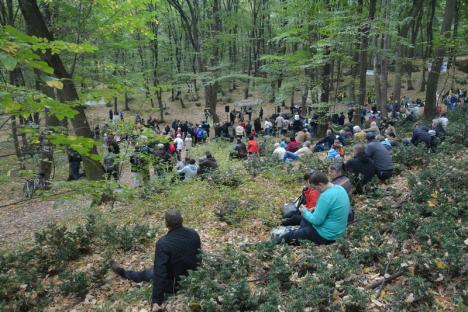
point(95, 96)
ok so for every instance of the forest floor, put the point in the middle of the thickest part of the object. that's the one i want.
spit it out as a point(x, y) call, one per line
point(199, 201)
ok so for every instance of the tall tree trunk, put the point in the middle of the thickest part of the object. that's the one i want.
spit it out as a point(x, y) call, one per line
point(36, 26)
point(126, 100)
point(433, 77)
point(428, 50)
point(400, 49)
point(363, 57)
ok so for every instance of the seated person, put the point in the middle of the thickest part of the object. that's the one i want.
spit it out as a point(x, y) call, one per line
point(293, 145)
point(329, 219)
point(240, 150)
point(338, 178)
point(373, 128)
point(308, 199)
point(303, 151)
point(252, 146)
point(381, 157)
point(361, 166)
point(358, 133)
point(207, 164)
point(176, 253)
point(188, 170)
point(278, 152)
point(336, 151)
point(326, 142)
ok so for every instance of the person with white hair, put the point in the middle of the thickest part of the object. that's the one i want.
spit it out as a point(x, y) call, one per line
point(278, 152)
point(373, 128)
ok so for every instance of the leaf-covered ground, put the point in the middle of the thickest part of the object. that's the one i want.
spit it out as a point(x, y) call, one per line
point(414, 226)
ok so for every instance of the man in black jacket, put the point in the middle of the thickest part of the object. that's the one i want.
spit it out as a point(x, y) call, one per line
point(361, 166)
point(176, 253)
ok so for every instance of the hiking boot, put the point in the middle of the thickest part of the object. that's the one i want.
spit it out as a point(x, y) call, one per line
point(117, 269)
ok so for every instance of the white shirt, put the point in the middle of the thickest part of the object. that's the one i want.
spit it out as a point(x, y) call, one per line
point(268, 124)
point(279, 121)
point(179, 144)
point(188, 143)
point(303, 151)
point(240, 130)
point(279, 152)
point(443, 121)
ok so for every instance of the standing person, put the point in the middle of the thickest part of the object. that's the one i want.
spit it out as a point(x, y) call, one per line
point(260, 114)
point(179, 143)
point(74, 159)
point(351, 115)
point(381, 157)
point(341, 119)
point(111, 115)
point(111, 167)
point(268, 126)
point(176, 253)
point(232, 117)
point(139, 167)
point(257, 125)
point(252, 146)
point(249, 112)
point(188, 143)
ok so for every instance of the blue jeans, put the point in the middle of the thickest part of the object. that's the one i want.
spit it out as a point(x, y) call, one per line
point(289, 155)
point(140, 276)
point(305, 232)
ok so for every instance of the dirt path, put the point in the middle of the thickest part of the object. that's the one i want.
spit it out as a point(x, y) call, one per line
point(20, 222)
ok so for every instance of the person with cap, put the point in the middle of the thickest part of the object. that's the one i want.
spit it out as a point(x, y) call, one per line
point(176, 254)
point(381, 157)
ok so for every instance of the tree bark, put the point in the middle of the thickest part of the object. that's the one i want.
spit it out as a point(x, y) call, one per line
point(433, 77)
point(363, 58)
point(36, 26)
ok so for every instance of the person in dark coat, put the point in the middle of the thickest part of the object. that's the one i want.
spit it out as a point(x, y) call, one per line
point(240, 150)
point(362, 167)
point(74, 159)
point(341, 119)
point(176, 254)
point(421, 135)
point(326, 142)
point(381, 157)
point(207, 164)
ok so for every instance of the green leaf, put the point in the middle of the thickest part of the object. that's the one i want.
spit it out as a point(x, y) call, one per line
point(8, 61)
point(12, 31)
point(52, 82)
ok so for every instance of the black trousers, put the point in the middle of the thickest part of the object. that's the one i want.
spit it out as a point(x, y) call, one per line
point(384, 174)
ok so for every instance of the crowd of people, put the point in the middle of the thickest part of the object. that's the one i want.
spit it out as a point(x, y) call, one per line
point(323, 210)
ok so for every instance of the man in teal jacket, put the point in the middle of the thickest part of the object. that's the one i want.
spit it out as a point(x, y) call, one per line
point(329, 220)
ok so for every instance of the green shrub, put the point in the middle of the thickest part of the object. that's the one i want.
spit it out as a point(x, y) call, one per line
point(127, 237)
point(75, 283)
